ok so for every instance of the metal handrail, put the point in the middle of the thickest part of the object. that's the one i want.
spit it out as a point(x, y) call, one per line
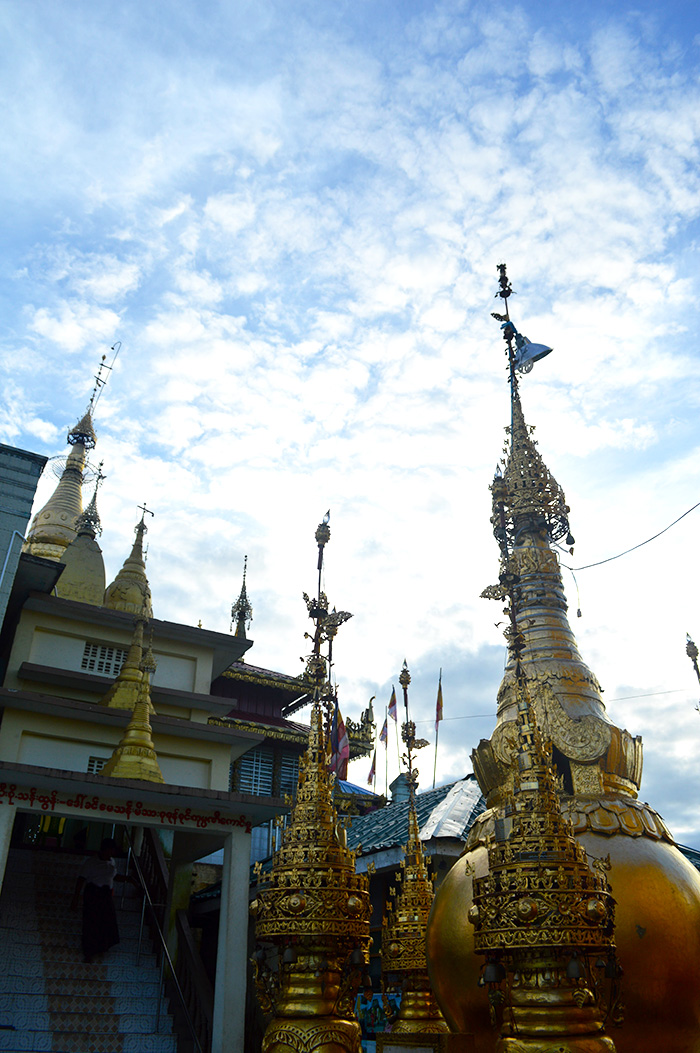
point(166, 952)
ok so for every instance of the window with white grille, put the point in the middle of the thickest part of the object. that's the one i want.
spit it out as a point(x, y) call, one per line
point(101, 658)
point(254, 774)
point(96, 764)
point(289, 772)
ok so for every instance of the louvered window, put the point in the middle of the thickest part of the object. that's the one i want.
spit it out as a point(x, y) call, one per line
point(254, 773)
point(289, 771)
point(101, 658)
point(96, 764)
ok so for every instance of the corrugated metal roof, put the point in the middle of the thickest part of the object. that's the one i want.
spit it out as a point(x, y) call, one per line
point(447, 811)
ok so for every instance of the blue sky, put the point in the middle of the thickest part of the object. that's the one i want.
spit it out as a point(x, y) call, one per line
point(291, 214)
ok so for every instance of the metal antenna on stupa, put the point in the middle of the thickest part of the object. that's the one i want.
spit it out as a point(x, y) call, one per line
point(242, 611)
point(102, 376)
point(522, 353)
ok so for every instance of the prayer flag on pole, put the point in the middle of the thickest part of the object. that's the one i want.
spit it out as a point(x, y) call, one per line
point(392, 704)
point(340, 747)
point(384, 734)
point(373, 771)
point(438, 718)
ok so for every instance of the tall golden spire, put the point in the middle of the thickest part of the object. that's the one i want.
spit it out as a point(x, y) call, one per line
point(404, 963)
point(130, 590)
point(135, 756)
point(312, 908)
point(549, 690)
point(54, 526)
point(530, 515)
point(242, 611)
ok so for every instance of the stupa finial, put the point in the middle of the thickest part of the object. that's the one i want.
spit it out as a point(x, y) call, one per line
point(319, 663)
point(88, 522)
point(242, 610)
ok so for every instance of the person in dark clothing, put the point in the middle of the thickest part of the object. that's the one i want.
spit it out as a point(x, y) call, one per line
point(96, 882)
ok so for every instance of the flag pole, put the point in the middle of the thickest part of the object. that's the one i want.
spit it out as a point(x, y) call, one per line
point(438, 718)
point(386, 755)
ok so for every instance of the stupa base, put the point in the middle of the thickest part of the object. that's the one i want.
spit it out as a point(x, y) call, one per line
point(425, 1043)
point(309, 1034)
point(560, 1044)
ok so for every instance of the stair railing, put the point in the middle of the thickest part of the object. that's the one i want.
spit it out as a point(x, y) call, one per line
point(164, 951)
point(194, 982)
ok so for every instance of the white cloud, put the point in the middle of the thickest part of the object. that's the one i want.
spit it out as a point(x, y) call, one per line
point(293, 228)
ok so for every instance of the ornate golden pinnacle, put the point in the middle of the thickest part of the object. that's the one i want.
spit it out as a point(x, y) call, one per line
point(404, 964)
point(404, 675)
point(314, 911)
point(541, 914)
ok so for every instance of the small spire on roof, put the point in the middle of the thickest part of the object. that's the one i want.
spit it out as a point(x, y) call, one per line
point(135, 756)
point(242, 611)
point(130, 590)
point(88, 522)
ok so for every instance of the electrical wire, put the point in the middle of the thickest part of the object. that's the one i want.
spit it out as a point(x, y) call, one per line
point(634, 547)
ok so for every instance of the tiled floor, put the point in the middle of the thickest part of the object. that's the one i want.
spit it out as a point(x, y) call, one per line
point(54, 1001)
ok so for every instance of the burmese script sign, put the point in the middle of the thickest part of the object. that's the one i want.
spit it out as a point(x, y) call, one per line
point(93, 806)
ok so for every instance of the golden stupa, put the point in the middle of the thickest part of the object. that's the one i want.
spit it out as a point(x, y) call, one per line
point(135, 756)
point(656, 889)
point(312, 910)
point(53, 527)
point(404, 965)
point(83, 578)
point(130, 591)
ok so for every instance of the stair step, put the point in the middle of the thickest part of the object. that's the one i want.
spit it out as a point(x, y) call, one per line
point(62, 921)
point(102, 1000)
point(108, 1023)
point(63, 961)
point(62, 940)
point(79, 1042)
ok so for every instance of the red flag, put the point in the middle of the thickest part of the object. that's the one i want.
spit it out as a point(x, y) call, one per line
point(340, 747)
point(384, 733)
point(438, 705)
point(392, 704)
point(373, 771)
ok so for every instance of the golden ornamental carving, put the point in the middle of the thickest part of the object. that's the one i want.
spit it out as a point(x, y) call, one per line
point(543, 918)
point(308, 1037)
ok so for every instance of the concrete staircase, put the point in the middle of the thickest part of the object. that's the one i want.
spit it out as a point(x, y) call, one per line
point(56, 1002)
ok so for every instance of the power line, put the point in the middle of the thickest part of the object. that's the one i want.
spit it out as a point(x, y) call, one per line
point(634, 547)
point(621, 698)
